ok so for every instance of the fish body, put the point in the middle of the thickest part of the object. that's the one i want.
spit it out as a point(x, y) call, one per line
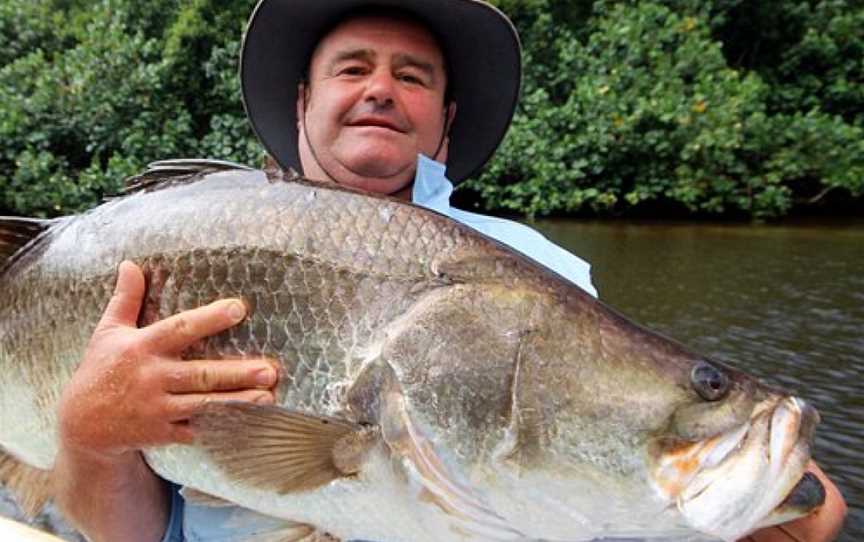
point(436, 385)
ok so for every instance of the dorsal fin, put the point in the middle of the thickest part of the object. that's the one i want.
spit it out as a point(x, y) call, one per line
point(167, 173)
point(16, 232)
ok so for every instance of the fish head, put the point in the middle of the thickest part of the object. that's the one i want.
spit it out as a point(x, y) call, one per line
point(733, 457)
point(654, 433)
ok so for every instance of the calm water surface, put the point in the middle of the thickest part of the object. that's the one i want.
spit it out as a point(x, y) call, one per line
point(783, 302)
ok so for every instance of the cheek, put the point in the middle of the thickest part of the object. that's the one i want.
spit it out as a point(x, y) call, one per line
point(427, 116)
point(327, 107)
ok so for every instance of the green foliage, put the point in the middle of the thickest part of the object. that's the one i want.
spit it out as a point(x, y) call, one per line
point(825, 70)
point(654, 112)
point(646, 109)
point(75, 111)
point(28, 26)
point(87, 103)
point(809, 51)
point(719, 107)
point(803, 156)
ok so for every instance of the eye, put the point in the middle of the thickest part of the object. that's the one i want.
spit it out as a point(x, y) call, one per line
point(410, 78)
point(352, 70)
point(710, 383)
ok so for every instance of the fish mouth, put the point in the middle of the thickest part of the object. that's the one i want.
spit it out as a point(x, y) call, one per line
point(748, 477)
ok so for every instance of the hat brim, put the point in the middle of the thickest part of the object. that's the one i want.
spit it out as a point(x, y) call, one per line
point(481, 46)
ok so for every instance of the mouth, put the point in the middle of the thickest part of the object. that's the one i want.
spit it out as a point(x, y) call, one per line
point(746, 477)
point(377, 122)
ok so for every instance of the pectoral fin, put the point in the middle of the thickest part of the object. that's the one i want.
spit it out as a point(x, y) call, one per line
point(268, 447)
point(31, 486)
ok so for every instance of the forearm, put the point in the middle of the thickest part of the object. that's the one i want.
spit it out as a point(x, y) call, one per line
point(112, 499)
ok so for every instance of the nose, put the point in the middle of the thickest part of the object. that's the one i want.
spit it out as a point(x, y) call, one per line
point(380, 88)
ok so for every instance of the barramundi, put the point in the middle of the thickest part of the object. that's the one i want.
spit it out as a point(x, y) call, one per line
point(435, 384)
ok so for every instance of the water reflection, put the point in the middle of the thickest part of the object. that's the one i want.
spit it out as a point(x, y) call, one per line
point(784, 303)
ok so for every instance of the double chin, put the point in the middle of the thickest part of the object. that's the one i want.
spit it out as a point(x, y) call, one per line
point(377, 163)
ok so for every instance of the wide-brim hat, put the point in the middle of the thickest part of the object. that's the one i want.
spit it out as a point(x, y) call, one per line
point(480, 44)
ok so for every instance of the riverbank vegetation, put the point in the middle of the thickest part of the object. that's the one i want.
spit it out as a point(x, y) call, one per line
point(721, 108)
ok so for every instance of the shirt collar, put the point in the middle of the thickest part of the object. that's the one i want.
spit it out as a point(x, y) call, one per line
point(431, 189)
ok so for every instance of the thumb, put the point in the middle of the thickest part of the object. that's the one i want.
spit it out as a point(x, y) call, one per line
point(125, 304)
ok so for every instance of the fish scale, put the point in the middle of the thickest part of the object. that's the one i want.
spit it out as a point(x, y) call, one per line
point(435, 384)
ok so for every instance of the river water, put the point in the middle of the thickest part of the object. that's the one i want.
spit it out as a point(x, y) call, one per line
point(783, 302)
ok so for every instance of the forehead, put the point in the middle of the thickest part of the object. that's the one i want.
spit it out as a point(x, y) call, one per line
point(382, 34)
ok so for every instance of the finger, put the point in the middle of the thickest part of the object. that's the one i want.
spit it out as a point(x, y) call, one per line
point(184, 406)
point(125, 303)
point(177, 332)
point(829, 518)
point(219, 375)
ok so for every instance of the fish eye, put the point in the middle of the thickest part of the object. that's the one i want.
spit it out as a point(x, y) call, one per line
point(710, 383)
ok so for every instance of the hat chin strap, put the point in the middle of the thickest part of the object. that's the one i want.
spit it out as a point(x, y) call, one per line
point(444, 131)
point(333, 178)
point(312, 149)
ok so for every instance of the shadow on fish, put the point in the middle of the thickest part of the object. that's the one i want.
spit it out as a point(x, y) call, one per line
point(436, 385)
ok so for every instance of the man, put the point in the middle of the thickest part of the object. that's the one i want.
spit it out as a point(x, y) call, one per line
point(377, 87)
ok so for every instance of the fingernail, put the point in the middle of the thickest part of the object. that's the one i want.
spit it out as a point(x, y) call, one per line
point(236, 311)
point(266, 377)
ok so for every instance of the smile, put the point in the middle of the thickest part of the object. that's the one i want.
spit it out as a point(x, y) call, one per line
point(375, 122)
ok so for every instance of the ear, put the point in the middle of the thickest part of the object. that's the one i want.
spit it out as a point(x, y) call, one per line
point(450, 114)
point(302, 99)
point(450, 111)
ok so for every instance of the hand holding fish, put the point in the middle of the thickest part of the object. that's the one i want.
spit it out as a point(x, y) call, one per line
point(132, 391)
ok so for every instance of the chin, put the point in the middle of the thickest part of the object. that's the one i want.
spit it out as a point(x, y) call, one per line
point(376, 185)
point(383, 166)
point(375, 156)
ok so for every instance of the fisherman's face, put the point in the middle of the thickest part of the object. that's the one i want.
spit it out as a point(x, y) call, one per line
point(374, 100)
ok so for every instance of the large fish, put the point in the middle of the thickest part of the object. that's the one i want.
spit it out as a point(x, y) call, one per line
point(436, 384)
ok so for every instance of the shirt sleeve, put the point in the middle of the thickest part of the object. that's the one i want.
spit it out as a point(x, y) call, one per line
point(174, 531)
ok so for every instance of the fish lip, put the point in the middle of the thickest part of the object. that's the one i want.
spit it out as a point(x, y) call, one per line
point(781, 438)
point(791, 427)
point(756, 472)
point(784, 427)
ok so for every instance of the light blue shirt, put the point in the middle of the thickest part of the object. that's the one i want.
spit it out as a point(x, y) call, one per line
point(432, 189)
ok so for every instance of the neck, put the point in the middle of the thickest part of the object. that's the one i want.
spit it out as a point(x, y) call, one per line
point(405, 193)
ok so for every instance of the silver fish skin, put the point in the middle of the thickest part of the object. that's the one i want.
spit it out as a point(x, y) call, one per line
point(436, 385)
